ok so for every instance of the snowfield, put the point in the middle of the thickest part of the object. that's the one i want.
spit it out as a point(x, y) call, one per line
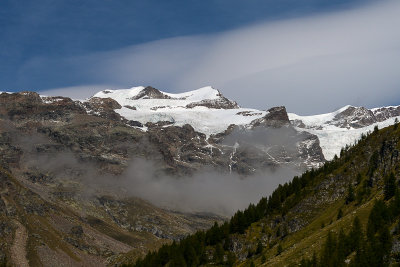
point(202, 119)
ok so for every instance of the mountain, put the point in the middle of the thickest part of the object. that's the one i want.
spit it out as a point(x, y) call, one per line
point(71, 170)
point(222, 128)
point(345, 213)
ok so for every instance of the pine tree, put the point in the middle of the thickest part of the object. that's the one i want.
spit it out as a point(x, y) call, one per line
point(340, 214)
point(390, 186)
point(314, 260)
point(378, 217)
point(231, 259)
point(350, 194)
point(355, 235)
point(385, 239)
point(395, 204)
point(177, 261)
point(191, 256)
point(342, 248)
point(259, 247)
point(358, 178)
point(373, 163)
point(328, 257)
point(279, 249)
point(304, 263)
point(219, 253)
point(278, 232)
point(263, 259)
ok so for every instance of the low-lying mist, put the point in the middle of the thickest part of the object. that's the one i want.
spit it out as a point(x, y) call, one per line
point(206, 190)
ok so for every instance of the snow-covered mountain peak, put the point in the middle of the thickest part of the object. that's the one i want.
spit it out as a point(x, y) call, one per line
point(150, 98)
point(204, 93)
point(148, 92)
point(349, 117)
point(206, 109)
point(344, 126)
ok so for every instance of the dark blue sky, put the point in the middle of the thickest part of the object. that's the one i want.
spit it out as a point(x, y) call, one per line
point(62, 28)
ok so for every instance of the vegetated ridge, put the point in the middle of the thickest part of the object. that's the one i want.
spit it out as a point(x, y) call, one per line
point(345, 213)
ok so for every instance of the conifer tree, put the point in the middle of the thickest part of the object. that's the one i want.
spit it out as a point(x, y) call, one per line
point(350, 194)
point(340, 214)
point(390, 186)
point(263, 259)
point(231, 259)
point(328, 257)
point(314, 260)
point(279, 249)
point(219, 253)
point(259, 247)
point(395, 204)
point(356, 235)
point(359, 178)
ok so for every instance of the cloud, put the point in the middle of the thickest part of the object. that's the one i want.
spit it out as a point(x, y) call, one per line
point(312, 64)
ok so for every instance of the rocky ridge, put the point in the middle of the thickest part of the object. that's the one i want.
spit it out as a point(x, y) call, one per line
point(352, 117)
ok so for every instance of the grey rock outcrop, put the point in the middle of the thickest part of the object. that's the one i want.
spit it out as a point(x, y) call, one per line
point(276, 117)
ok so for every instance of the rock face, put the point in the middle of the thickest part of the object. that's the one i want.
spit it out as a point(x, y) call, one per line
point(385, 113)
point(276, 117)
point(150, 93)
point(100, 104)
point(103, 107)
point(220, 103)
point(183, 149)
point(30, 106)
point(354, 117)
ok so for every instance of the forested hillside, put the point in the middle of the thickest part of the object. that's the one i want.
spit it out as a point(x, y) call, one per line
point(344, 213)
